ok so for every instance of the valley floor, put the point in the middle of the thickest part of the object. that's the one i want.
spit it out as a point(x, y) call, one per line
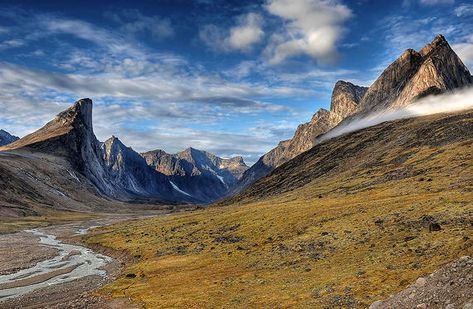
point(341, 241)
point(46, 266)
point(329, 252)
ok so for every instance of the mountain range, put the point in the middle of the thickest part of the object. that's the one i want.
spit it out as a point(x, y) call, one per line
point(64, 159)
point(119, 172)
point(433, 70)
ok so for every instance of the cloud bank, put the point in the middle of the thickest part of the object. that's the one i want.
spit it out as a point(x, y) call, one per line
point(447, 103)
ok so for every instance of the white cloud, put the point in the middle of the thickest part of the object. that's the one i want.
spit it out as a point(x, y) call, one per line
point(449, 102)
point(247, 33)
point(312, 27)
point(12, 43)
point(464, 10)
point(465, 50)
point(242, 37)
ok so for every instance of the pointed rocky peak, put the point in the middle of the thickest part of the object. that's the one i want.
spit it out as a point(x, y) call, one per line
point(345, 98)
point(236, 160)
point(79, 114)
point(6, 138)
point(435, 69)
point(66, 134)
point(114, 141)
point(321, 113)
point(437, 43)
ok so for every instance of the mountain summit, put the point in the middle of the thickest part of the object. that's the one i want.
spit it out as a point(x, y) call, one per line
point(199, 173)
point(345, 99)
point(433, 70)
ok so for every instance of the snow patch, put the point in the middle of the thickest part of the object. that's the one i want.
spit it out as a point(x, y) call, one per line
point(214, 172)
point(175, 187)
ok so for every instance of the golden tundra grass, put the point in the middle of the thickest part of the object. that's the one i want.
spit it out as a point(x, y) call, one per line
point(9, 225)
point(301, 250)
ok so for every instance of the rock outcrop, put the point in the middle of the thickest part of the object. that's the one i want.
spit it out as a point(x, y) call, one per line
point(344, 102)
point(448, 287)
point(71, 135)
point(433, 70)
point(6, 138)
point(198, 173)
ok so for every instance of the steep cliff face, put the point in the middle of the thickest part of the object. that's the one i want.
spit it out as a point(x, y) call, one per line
point(345, 99)
point(434, 69)
point(128, 170)
point(344, 102)
point(113, 169)
point(6, 138)
point(198, 173)
point(71, 135)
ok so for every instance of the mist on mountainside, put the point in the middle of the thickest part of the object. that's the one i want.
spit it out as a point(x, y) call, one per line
point(450, 102)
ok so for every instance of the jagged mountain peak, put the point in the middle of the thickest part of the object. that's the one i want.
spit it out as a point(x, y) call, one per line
point(438, 42)
point(67, 134)
point(79, 113)
point(434, 69)
point(345, 98)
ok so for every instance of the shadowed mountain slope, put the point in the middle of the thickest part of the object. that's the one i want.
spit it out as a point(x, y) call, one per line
point(6, 138)
point(345, 98)
point(198, 173)
point(370, 156)
point(110, 169)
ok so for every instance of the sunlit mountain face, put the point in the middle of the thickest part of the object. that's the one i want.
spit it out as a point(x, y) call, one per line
point(229, 77)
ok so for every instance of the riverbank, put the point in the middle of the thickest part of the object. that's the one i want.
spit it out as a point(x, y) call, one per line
point(50, 267)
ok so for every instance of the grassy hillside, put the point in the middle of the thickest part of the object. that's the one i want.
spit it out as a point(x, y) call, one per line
point(341, 227)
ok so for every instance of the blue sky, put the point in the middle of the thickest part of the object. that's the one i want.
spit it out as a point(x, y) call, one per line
point(230, 77)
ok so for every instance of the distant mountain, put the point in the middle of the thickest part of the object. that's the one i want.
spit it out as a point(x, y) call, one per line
point(200, 174)
point(128, 170)
point(115, 170)
point(433, 70)
point(6, 138)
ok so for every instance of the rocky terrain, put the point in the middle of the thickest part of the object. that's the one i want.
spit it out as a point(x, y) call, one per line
point(64, 166)
point(128, 170)
point(433, 70)
point(449, 287)
point(352, 154)
point(6, 138)
point(200, 174)
point(345, 98)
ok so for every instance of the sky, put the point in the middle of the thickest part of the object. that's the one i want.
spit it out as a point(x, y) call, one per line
point(230, 77)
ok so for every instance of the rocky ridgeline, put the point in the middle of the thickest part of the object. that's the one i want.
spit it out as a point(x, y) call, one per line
point(433, 70)
point(119, 172)
point(199, 173)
